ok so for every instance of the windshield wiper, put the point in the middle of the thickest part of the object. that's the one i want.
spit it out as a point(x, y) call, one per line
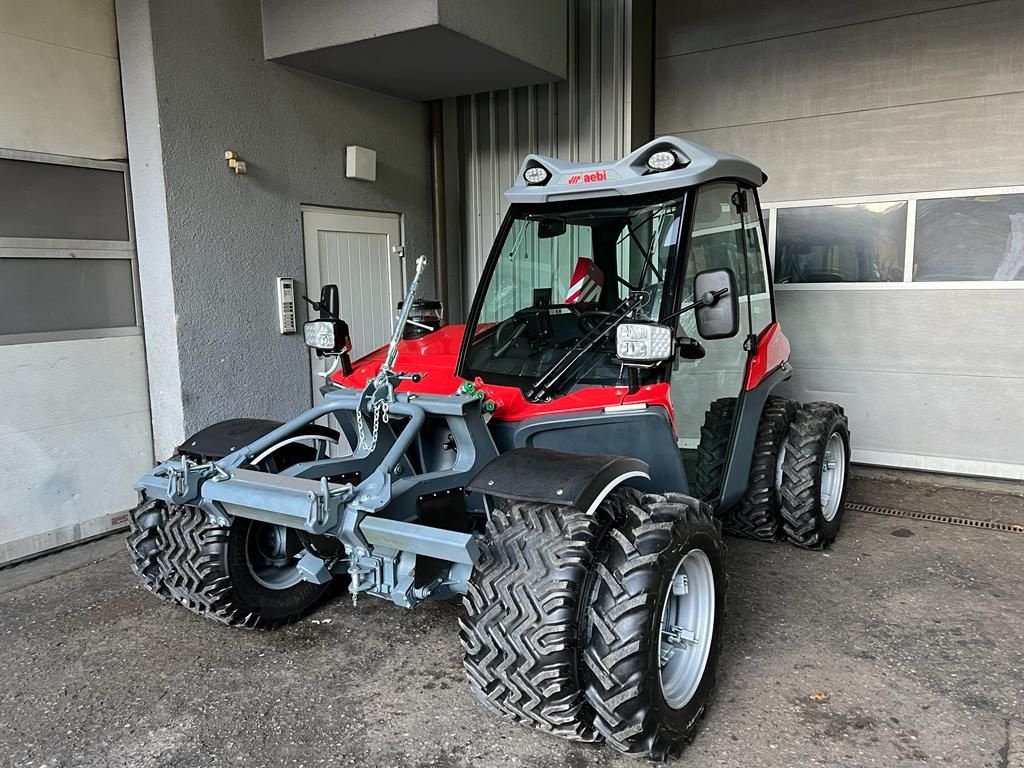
point(585, 345)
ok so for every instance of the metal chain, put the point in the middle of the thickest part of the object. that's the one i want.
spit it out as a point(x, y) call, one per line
point(381, 413)
point(359, 428)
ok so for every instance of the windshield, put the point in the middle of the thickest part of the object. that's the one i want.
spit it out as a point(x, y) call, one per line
point(561, 282)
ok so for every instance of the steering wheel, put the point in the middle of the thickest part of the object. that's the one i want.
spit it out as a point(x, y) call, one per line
point(502, 345)
point(587, 321)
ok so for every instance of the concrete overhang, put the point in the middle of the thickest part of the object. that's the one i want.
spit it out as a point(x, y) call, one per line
point(420, 49)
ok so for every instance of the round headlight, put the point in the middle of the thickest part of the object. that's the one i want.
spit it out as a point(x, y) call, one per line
point(661, 161)
point(536, 175)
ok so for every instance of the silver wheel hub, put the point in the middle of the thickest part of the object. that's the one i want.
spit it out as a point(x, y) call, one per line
point(833, 476)
point(686, 629)
point(271, 553)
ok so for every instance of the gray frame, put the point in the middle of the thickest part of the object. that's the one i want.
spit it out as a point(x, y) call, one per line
point(60, 248)
point(376, 519)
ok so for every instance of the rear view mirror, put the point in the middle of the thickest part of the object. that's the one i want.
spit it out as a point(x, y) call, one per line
point(330, 301)
point(550, 228)
point(718, 314)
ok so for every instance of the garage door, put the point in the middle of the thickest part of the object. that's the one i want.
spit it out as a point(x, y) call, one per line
point(890, 136)
point(74, 412)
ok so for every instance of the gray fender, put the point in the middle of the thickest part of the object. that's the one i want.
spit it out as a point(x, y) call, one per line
point(580, 480)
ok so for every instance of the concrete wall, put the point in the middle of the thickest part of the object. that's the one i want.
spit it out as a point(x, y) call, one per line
point(866, 98)
point(420, 50)
point(291, 26)
point(530, 30)
point(229, 236)
point(60, 91)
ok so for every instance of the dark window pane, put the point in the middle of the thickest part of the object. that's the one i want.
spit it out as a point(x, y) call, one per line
point(970, 238)
point(61, 201)
point(65, 294)
point(858, 243)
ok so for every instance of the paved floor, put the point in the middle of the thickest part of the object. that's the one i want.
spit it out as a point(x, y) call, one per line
point(904, 644)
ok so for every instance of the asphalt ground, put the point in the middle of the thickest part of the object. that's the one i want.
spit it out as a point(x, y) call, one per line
point(902, 645)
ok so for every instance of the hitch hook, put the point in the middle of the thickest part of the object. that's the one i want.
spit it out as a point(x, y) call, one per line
point(319, 509)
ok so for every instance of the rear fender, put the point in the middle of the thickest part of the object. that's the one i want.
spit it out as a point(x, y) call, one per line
point(580, 480)
point(223, 438)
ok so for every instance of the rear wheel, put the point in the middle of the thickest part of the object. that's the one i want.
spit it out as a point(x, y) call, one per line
point(654, 628)
point(243, 574)
point(144, 524)
point(524, 610)
point(813, 474)
point(758, 513)
point(713, 449)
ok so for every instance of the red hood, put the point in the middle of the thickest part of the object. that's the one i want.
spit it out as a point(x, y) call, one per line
point(436, 356)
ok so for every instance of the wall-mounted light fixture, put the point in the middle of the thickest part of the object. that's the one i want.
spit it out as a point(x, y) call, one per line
point(234, 161)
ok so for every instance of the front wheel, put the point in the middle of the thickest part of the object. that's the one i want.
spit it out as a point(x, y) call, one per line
point(654, 629)
point(524, 607)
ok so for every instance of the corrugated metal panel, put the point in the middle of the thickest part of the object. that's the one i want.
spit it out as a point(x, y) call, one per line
point(583, 118)
point(841, 70)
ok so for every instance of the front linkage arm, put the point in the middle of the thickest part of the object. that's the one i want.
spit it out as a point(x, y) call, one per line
point(376, 517)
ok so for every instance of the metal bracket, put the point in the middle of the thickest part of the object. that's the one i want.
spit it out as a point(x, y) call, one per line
point(319, 512)
point(184, 479)
point(313, 569)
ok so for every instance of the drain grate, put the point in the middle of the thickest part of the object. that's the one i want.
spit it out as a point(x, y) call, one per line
point(933, 518)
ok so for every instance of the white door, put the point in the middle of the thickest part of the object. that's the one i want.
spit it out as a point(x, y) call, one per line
point(358, 251)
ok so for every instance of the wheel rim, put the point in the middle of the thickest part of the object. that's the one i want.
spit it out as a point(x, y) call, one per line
point(833, 476)
point(270, 552)
point(686, 628)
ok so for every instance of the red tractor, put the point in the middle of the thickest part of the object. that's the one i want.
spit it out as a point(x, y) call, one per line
point(566, 460)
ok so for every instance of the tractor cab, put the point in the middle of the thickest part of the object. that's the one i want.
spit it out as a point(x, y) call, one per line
point(637, 273)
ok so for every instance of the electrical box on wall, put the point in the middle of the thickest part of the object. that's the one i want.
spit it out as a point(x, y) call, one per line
point(360, 163)
point(286, 304)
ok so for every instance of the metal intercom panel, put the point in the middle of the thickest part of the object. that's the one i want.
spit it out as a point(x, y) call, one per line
point(286, 304)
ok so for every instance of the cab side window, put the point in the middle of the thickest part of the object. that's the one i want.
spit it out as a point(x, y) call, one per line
point(719, 232)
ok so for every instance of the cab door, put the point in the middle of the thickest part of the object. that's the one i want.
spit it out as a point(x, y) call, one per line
point(705, 391)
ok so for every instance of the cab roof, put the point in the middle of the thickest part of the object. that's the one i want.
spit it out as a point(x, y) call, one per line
point(694, 164)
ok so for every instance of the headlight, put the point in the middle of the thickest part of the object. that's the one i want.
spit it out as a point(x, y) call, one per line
point(661, 161)
point(642, 343)
point(319, 334)
point(536, 175)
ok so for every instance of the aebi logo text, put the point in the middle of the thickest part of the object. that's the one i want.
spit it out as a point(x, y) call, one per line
point(588, 178)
